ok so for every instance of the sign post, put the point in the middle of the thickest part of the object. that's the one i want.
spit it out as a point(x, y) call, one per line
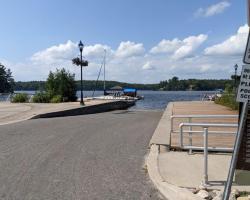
point(234, 159)
point(246, 58)
point(243, 95)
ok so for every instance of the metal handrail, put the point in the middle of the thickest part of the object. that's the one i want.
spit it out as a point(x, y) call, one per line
point(190, 117)
point(203, 125)
point(205, 147)
point(205, 132)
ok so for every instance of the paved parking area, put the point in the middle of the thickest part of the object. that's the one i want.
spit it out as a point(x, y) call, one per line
point(97, 156)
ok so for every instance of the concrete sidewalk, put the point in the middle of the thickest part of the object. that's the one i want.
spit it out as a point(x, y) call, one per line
point(177, 172)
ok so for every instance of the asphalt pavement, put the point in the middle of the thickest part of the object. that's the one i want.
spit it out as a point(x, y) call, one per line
point(98, 156)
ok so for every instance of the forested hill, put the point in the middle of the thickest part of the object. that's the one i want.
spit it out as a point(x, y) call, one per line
point(87, 85)
point(173, 84)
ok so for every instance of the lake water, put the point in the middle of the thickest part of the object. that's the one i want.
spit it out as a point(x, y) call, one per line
point(156, 100)
point(159, 99)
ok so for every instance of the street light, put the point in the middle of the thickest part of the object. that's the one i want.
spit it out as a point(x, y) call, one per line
point(235, 78)
point(80, 45)
point(80, 62)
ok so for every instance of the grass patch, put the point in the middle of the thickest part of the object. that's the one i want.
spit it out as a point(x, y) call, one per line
point(228, 100)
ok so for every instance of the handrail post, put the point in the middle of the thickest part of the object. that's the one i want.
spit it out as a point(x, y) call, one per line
point(190, 135)
point(172, 123)
point(205, 177)
point(181, 135)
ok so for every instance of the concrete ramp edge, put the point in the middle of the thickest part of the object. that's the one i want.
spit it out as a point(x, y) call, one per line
point(104, 107)
point(162, 134)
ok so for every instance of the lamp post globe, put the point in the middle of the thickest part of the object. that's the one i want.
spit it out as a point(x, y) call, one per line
point(235, 67)
point(80, 45)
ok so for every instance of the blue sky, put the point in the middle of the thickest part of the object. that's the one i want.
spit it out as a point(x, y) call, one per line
point(146, 40)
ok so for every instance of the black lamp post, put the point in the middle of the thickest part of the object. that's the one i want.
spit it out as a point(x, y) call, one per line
point(80, 45)
point(235, 77)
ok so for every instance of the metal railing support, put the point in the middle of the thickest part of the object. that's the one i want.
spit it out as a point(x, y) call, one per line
point(205, 176)
point(172, 123)
point(190, 136)
point(181, 137)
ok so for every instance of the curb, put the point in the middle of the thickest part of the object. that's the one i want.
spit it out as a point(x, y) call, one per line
point(168, 190)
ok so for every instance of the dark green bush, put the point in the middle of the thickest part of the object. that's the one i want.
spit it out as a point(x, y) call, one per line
point(56, 99)
point(20, 98)
point(61, 83)
point(41, 97)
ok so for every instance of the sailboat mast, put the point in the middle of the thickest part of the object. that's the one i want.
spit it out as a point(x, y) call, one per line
point(104, 72)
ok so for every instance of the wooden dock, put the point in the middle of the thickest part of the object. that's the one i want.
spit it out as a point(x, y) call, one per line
point(203, 108)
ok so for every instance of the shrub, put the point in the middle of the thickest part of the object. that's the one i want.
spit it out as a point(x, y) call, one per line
point(56, 99)
point(228, 99)
point(41, 97)
point(62, 83)
point(20, 98)
point(60, 86)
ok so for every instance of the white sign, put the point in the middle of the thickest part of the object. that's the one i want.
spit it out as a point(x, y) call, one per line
point(243, 94)
point(246, 58)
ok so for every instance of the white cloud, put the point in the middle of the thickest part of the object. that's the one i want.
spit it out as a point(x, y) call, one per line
point(129, 49)
point(96, 51)
point(189, 45)
point(66, 51)
point(179, 48)
point(233, 46)
point(131, 63)
point(213, 9)
point(205, 67)
point(148, 66)
point(56, 53)
point(166, 46)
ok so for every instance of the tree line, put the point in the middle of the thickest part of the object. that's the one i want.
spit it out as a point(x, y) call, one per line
point(7, 84)
point(173, 84)
point(87, 85)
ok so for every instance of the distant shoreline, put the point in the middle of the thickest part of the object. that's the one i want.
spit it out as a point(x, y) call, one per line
point(173, 84)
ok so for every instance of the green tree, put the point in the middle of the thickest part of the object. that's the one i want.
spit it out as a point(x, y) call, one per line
point(6, 80)
point(51, 84)
point(61, 83)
